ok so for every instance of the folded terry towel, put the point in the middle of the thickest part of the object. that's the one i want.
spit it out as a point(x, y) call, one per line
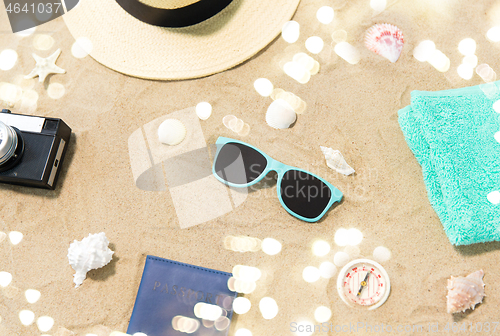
point(453, 135)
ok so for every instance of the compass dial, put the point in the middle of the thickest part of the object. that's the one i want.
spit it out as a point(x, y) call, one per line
point(363, 282)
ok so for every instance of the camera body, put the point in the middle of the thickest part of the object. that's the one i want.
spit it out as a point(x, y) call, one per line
point(32, 149)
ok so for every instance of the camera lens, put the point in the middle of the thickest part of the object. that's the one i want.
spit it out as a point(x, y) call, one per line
point(8, 142)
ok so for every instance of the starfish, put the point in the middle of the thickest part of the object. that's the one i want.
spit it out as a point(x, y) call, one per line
point(45, 66)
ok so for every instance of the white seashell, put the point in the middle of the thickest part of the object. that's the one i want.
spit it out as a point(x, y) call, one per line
point(171, 132)
point(90, 253)
point(280, 114)
point(465, 292)
point(335, 160)
point(386, 40)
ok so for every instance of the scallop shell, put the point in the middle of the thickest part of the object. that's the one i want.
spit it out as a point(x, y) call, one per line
point(90, 253)
point(386, 40)
point(465, 292)
point(171, 132)
point(336, 161)
point(280, 114)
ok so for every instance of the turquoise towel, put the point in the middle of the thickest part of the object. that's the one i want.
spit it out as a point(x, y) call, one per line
point(452, 134)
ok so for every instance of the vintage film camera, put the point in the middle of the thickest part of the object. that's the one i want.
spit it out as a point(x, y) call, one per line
point(32, 149)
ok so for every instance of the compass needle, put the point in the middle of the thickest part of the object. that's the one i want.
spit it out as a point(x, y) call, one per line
point(363, 284)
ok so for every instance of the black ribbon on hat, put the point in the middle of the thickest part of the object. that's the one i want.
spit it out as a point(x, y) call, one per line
point(174, 18)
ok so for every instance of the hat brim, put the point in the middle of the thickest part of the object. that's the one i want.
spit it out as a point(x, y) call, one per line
point(127, 45)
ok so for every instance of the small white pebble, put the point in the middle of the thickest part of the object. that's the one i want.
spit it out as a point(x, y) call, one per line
point(171, 132)
point(203, 110)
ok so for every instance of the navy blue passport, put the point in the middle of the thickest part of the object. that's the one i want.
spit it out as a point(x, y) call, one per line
point(170, 289)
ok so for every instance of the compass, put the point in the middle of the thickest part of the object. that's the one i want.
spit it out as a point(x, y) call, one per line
point(363, 283)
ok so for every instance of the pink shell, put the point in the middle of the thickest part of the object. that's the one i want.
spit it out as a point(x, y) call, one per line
point(386, 40)
point(465, 292)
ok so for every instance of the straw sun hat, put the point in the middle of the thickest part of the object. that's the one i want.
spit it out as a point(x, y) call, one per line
point(177, 39)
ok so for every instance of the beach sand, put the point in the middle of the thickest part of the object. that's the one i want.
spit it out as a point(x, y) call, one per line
point(352, 108)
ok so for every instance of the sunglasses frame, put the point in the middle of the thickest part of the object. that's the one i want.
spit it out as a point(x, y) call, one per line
point(280, 169)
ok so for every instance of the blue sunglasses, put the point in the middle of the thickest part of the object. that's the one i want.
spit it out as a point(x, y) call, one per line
point(303, 194)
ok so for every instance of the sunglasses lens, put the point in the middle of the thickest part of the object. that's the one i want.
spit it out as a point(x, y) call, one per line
point(239, 164)
point(304, 194)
